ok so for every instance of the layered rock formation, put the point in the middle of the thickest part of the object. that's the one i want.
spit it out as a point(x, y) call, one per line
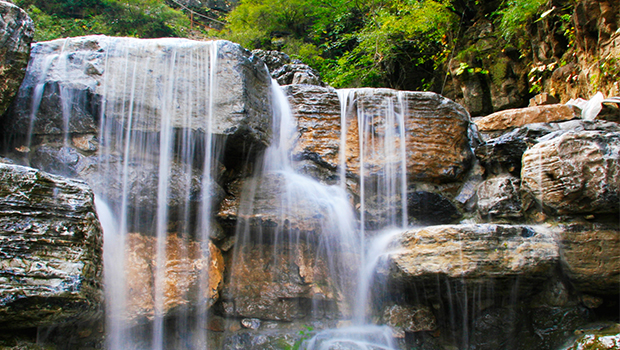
point(17, 31)
point(51, 268)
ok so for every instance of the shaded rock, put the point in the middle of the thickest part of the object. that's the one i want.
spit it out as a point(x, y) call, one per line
point(473, 255)
point(410, 318)
point(577, 172)
point(543, 99)
point(16, 33)
point(513, 118)
point(273, 59)
point(184, 264)
point(51, 243)
point(68, 81)
point(607, 338)
point(249, 340)
point(430, 208)
point(287, 202)
point(589, 257)
point(500, 197)
point(297, 74)
point(503, 154)
point(251, 323)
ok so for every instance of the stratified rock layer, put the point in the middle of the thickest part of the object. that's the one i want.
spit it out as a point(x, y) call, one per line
point(589, 256)
point(473, 254)
point(513, 118)
point(577, 172)
point(51, 249)
point(437, 143)
point(183, 266)
point(16, 32)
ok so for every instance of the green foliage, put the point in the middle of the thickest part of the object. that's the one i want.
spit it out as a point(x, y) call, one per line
point(140, 18)
point(516, 14)
point(351, 43)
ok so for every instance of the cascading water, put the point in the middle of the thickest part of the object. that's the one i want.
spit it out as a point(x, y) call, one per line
point(153, 173)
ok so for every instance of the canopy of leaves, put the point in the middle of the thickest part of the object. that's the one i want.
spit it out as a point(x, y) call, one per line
point(381, 43)
point(139, 18)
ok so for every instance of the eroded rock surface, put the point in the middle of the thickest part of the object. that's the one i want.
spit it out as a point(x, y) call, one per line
point(51, 242)
point(589, 256)
point(577, 172)
point(183, 266)
point(473, 254)
point(16, 33)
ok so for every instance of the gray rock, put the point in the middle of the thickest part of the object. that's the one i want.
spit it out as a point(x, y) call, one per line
point(500, 197)
point(410, 318)
point(576, 172)
point(51, 243)
point(71, 83)
point(16, 32)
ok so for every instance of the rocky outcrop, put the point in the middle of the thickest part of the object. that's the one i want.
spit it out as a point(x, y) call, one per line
point(512, 118)
point(577, 172)
point(186, 266)
point(286, 71)
point(589, 257)
point(73, 83)
point(474, 255)
point(431, 157)
point(51, 262)
point(16, 32)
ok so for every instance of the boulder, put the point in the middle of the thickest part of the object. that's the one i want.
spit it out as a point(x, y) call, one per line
point(16, 33)
point(576, 172)
point(73, 83)
point(51, 264)
point(281, 282)
point(512, 118)
point(473, 255)
point(500, 197)
point(437, 144)
point(589, 257)
point(297, 73)
point(183, 266)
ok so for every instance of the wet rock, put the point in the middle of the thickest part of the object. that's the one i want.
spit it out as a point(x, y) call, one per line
point(430, 208)
point(577, 172)
point(410, 318)
point(588, 255)
point(437, 144)
point(70, 79)
point(184, 264)
point(282, 283)
point(473, 255)
point(302, 210)
point(607, 338)
point(249, 340)
point(251, 323)
point(500, 197)
point(16, 33)
point(512, 118)
point(273, 59)
point(51, 242)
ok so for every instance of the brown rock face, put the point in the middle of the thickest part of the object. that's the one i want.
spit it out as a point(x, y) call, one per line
point(182, 274)
point(589, 257)
point(473, 254)
point(437, 144)
point(51, 249)
point(512, 118)
point(16, 32)
point(578, 172)
point(280, 283)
